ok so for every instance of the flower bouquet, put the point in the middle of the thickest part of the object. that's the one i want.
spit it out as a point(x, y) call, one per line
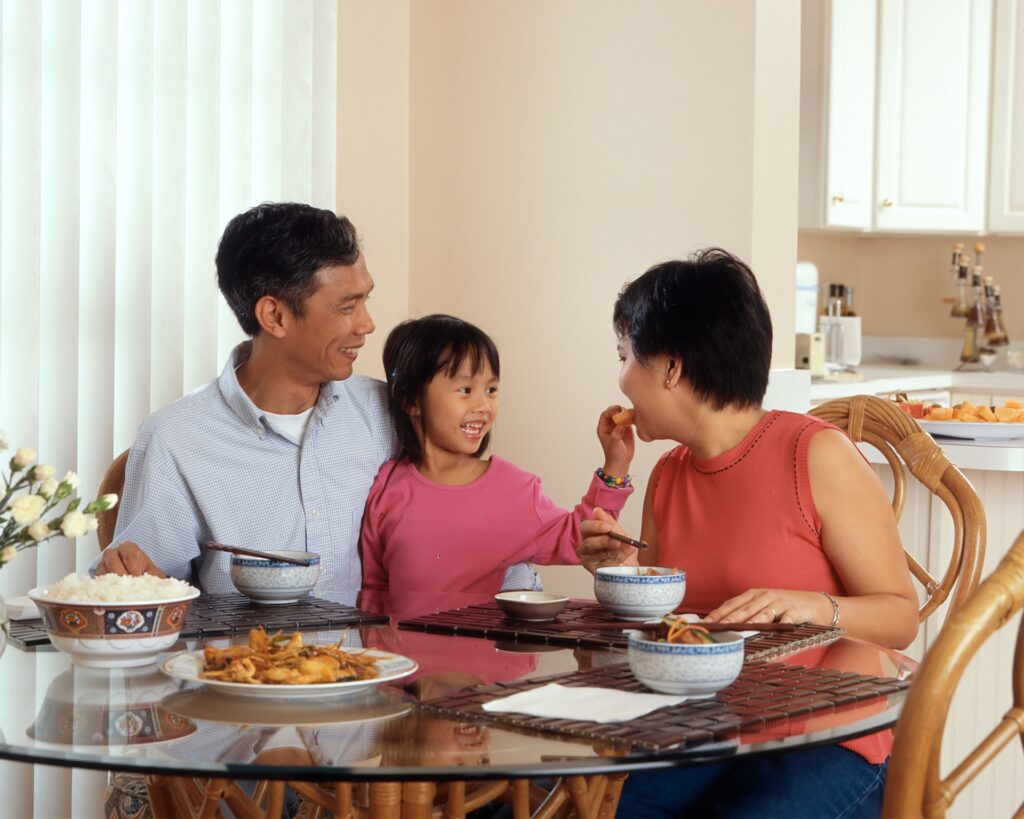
point(30, 509)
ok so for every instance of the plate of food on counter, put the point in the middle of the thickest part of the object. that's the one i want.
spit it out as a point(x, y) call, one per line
point(977, 422)
point(283, 667)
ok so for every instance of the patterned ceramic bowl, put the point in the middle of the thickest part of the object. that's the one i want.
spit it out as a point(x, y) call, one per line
point(639, 592)
point(693, 670)
point(273, 582)
point(113, 635)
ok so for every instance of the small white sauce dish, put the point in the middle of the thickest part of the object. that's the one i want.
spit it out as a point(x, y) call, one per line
point(531, 606)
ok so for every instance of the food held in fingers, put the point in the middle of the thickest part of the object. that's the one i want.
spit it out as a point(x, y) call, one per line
point(624, 418)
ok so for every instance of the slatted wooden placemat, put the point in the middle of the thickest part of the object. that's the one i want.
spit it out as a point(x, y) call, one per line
point(223, 615)
point(487, 620)
point(764, 693)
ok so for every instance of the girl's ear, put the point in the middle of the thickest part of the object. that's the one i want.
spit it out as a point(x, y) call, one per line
point(414, 410)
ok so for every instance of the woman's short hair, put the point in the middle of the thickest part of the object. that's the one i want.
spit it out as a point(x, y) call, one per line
point(709, 313)
point(418, 349)
point(277, 249)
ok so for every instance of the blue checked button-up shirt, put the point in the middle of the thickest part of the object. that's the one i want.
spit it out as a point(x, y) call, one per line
point(211, 467)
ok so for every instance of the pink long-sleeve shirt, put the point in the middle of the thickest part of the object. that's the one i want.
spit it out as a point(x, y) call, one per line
point(419, 535)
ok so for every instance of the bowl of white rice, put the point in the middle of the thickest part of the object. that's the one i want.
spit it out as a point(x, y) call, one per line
point(114, 621)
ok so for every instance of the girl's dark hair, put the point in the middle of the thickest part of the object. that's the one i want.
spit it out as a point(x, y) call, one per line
point(709, 313)
point(416, 351)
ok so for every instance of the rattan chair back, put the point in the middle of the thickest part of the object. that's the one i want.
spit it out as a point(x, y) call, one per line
point(113, 481)
point(902, 442)
point(915, 786)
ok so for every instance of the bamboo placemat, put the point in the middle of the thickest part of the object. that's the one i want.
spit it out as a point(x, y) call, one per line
point(764, 693)
point(487, 620)
point(223, 615)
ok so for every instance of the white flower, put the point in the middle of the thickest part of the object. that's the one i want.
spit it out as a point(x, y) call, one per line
point(43, 471)
point(109, 501)
point(39, 530)
point(27, 508)
point(48, 487)
point(8, 553)
point(71, 479)
point(74, 524)
point(93, 522)
point(3, 440)
point(24, 456)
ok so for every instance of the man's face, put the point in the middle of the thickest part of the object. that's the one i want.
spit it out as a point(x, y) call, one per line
point(325, 342)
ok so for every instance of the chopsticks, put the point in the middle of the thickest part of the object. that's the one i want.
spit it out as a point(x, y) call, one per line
point(582, 625)
point(241, 550)
point(638, 544)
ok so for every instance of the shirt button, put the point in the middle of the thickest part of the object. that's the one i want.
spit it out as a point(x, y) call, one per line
point(315, 512)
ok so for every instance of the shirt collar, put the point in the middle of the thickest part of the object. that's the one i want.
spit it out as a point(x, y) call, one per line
point(241, 404)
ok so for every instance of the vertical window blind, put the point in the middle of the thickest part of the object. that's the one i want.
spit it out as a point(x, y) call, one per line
point(130, 132)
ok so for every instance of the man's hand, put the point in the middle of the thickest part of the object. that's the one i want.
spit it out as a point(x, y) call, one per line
point(128, 558)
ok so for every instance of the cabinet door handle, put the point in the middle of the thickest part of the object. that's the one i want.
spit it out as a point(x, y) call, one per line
point(887, 203)
point(837, 198)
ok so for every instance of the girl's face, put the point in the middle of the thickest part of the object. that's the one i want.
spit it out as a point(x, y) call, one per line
point(644, 385)
point(459, 410)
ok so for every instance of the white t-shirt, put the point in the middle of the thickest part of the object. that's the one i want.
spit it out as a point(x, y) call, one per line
point(292, 427)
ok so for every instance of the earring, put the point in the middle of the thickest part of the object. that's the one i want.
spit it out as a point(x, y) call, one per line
point(668, 382)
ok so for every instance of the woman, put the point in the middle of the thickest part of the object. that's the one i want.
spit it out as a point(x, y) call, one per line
point(773, 515)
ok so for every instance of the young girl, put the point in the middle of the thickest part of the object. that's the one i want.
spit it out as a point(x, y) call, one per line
point(443, 518)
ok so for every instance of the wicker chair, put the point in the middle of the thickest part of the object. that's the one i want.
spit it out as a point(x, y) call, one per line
point(915, 786)
point(113, 481)
point(898, 437)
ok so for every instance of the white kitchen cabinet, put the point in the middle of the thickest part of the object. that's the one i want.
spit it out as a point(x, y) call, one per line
point(840, 37)
point(1006, 197)
point(934, 70)
point(906, 148)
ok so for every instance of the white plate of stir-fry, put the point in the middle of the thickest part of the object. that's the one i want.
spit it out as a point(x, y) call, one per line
point(283, 667)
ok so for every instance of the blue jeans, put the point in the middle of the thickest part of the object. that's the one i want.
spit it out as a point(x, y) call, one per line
point(817, 782)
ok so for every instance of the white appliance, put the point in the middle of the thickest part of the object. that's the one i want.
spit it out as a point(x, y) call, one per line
point(806, 298)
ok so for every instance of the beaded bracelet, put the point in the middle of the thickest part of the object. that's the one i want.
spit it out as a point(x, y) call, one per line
point(613, 481)
point(835, 609)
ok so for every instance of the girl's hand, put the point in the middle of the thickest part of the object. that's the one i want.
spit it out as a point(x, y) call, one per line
point(617, 442)
point(598, 550)
point(774, 605)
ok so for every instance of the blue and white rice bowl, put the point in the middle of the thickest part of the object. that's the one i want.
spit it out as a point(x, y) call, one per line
point(273, 582)
point(633, 596)
point(688, 669)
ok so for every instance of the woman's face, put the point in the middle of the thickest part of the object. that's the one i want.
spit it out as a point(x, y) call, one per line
point(644, 385)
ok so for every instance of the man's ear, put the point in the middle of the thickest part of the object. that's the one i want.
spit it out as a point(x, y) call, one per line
point(273, 316)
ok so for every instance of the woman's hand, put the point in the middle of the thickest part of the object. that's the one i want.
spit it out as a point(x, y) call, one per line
point(617, 442)
point(774, 605)
point(598, 550)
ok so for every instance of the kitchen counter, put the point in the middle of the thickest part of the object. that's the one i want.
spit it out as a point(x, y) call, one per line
point(985, 456)
point(886, 378)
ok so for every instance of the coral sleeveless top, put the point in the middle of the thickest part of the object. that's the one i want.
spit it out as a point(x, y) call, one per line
point(746, 519)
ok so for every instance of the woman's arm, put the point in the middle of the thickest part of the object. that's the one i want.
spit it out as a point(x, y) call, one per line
point(860, 538)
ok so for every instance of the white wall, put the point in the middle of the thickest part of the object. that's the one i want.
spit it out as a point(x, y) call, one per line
point(558, 149)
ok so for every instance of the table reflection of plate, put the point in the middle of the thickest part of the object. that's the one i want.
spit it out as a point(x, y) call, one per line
point(211, 706)
point(188, 665)
point(977, 431)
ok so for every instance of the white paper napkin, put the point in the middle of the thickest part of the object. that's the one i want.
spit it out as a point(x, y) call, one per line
point(588, 703)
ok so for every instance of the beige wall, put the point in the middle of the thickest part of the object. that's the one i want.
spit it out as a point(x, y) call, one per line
point(899, 281)
point(558, 149)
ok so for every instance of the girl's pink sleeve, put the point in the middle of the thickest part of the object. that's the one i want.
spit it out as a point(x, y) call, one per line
point(371, 547)
point(558, 532)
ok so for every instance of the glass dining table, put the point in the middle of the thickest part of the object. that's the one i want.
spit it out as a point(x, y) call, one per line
point(408, 730)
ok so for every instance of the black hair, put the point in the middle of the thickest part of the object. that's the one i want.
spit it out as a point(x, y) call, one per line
point(277, 249)
point(708, 312)
point(417, 350)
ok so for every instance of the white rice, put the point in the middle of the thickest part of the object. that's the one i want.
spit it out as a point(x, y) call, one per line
point(116, 588)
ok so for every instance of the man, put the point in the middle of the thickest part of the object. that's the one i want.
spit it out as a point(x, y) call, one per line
point(280, 451)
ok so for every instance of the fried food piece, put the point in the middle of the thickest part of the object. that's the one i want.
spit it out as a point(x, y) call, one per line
point(624, 418)
point(283, 660)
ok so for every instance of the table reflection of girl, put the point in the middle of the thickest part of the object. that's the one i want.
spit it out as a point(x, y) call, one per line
point(773, 515)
